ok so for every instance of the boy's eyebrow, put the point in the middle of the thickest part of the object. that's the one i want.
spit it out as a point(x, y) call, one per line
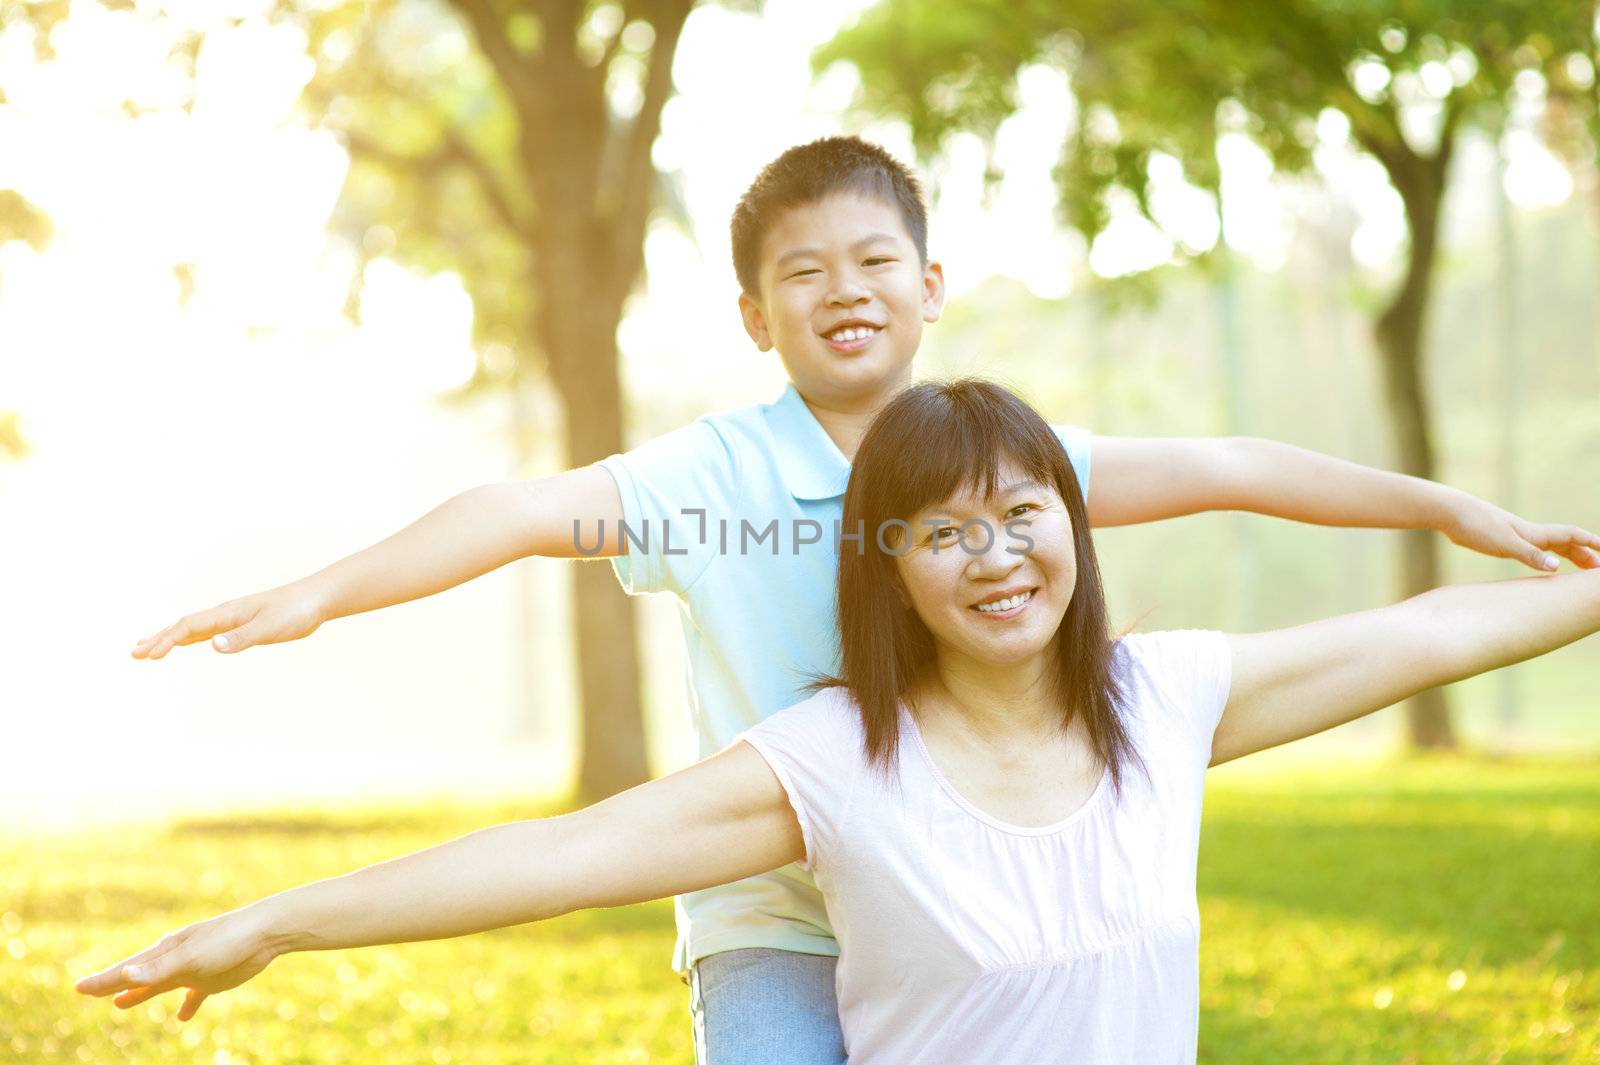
point(801, 253)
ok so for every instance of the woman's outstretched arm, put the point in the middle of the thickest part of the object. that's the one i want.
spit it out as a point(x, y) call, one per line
point(719, 820)
point(1295, 682)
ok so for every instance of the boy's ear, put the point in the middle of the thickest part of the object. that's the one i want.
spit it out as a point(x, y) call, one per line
point(932, 292)
point(755, 323)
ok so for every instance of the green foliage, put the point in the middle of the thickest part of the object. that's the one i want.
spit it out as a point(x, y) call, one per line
point(1421, 911)
point(21, 220)
point(1168, 77)
point(432, 135)
point(12, 443)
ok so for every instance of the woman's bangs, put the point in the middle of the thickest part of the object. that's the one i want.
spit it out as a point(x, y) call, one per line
point(963, 449)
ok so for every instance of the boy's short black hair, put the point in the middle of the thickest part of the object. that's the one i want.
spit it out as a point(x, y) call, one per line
point(807, 173)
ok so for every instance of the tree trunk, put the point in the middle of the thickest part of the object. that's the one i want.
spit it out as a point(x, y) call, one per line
point(1399, 337)
point(591, 179)
point(612, 754)
point(578, 327)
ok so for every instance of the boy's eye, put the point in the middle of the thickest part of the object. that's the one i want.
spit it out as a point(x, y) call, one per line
point(801, 273)
point(876, 259)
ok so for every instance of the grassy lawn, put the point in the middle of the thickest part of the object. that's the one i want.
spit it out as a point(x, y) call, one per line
point(1411, 913)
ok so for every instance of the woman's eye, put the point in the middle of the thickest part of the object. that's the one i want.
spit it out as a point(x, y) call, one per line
point(944, 532)
point(1020, 509)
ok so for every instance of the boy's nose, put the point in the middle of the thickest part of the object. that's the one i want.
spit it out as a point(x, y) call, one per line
point(847, 293)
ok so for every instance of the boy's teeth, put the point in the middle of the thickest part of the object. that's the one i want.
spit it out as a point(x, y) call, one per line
point(1005, 604)
point(854, 333)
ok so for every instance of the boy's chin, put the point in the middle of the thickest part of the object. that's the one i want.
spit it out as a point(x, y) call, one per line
point(853, 378)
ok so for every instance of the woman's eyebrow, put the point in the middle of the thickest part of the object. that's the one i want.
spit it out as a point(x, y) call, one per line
point(1019, 488)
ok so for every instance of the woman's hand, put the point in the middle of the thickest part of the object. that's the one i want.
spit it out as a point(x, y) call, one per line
point(1481, 526)
point(205, 958)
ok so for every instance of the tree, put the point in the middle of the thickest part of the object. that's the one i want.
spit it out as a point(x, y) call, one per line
point(520, 160)
point(509, 142)
point(1169, 78)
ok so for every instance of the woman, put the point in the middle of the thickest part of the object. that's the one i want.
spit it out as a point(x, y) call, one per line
point(999, 801)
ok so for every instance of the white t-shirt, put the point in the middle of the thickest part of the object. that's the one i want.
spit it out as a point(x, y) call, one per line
point(963, 938)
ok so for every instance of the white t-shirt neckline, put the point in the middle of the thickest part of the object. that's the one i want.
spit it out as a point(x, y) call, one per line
point(908, 725)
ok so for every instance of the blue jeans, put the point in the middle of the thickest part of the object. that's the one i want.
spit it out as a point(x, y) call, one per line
point(762, 1006)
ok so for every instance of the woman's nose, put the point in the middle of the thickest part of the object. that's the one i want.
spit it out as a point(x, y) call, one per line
point(987, 547)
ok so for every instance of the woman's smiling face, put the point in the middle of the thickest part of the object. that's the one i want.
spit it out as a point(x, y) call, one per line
point(991, 576)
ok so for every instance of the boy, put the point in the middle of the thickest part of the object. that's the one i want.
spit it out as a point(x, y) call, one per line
point(737, 514)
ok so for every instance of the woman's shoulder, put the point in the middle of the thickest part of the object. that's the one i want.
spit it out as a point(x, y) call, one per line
point(817, 749)
point(829, 713)
point(1170, 649)
point(1183, 671)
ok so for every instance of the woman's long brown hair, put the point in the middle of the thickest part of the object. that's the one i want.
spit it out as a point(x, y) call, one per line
point(931, 441)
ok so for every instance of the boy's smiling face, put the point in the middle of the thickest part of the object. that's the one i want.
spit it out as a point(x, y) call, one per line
point(843, 299)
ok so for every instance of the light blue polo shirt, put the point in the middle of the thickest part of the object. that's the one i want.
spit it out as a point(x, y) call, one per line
point(736, 515)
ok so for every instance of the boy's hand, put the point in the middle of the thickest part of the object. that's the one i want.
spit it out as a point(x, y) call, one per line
point(1470, 522)
point(286, 613)
point(205, 958)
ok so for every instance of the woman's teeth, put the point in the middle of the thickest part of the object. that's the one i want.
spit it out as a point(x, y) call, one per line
point(1005, 604)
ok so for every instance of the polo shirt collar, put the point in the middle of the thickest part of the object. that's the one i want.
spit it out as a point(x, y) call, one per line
point(812, 465)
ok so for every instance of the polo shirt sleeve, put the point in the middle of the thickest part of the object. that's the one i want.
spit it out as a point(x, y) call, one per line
point(816, 750)
point(1078, 446)
point(673, 489)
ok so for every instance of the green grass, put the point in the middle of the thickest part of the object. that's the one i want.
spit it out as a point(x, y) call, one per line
point(1417, 912)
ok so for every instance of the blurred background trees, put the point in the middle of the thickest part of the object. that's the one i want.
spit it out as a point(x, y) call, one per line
point(1165, 81)
point(22, 221)
point(510, 144)
point(221, 178)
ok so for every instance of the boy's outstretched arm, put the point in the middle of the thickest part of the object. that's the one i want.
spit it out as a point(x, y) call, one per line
point(1295, 682)
point(1146, 479)
point(717, 821)
point(464, 537)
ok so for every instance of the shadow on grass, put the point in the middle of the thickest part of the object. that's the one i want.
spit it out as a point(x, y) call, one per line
point(101, 903)
point(424, 820)
point(298, 825)
point(1502, 893)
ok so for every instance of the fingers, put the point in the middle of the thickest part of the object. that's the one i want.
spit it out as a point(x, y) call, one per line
point(1582, 557)
point(190, 629)
point(133, 996)
point(166, 966)
point(103, 982)
point(127, 973)
point(238, 639)
point(1534, 556)
point(1579, 546)
point(191, 1003)
point(1584, 538)
point(164, 971)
